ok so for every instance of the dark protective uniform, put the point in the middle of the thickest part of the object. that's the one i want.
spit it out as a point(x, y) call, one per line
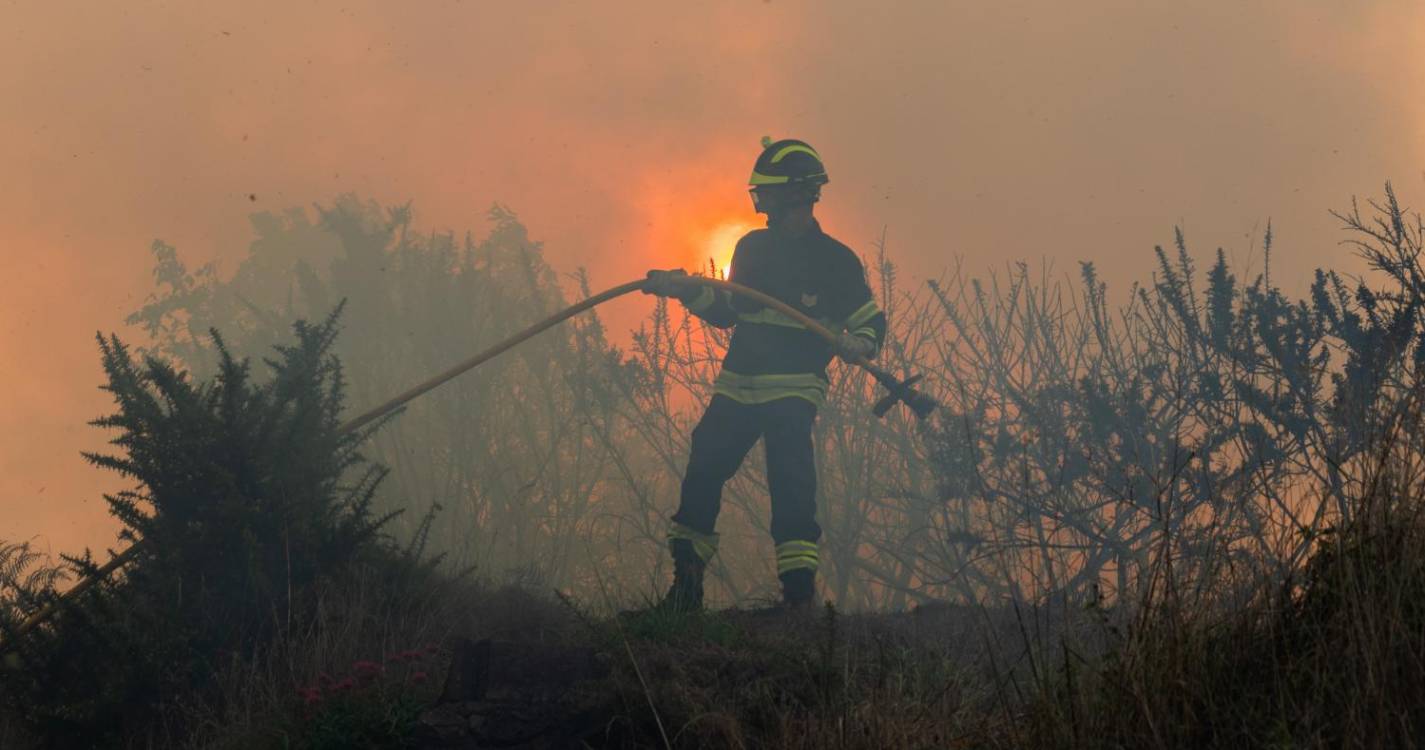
point(772, 381)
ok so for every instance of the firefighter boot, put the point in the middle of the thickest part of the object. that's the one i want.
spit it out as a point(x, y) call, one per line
point(686, 593)
point(799, 588)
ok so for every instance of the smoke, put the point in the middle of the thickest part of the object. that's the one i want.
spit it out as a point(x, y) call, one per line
point(623, 135)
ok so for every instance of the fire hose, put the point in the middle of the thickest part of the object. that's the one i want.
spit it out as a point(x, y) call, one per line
point(899, 391)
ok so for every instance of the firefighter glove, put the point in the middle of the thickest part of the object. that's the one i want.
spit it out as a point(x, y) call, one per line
point(672, 283)
point(850, 347)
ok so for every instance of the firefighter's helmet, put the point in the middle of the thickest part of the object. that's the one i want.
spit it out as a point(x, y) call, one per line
point(787, 162)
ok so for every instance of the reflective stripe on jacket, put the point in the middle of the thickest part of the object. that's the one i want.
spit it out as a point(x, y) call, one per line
point(772, 356)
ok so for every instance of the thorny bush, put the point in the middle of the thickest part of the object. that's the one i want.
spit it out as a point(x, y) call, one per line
point(246, 497)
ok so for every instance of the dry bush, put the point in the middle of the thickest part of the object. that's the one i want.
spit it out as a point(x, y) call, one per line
point(1076, 434)
point(1149, 492)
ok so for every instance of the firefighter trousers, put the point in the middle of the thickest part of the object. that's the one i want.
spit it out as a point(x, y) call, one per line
point(722, 439)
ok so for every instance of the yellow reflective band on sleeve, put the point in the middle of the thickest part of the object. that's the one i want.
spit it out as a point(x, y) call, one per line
point(863, 314)
point(865, 332)
point(797, 555)
point(792, 149)
point(766, 179)
point(706, 296)
point(759, 389)
point(704, 544)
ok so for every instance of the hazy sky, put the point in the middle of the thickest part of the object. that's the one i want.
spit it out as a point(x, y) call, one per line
point(623, 133)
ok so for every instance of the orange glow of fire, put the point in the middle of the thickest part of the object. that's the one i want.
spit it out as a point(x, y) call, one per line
point(695, 210)
point(721, 241)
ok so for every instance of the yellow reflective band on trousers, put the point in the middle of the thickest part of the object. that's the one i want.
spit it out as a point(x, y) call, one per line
point(863, 315)
point(759, 389)
point(797, 555)
point(706, 296)
point(704, 544)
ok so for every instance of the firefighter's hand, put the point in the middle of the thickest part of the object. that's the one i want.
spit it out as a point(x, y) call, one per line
point(672, 283)
point(850, 347)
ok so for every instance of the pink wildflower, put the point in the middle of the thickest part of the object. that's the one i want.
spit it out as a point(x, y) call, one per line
point(367, 667)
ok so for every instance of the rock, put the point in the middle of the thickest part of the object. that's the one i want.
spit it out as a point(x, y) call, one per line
point(444, 726)
point(464, 681)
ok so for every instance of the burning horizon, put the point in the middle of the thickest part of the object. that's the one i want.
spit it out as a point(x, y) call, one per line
point(624, 139)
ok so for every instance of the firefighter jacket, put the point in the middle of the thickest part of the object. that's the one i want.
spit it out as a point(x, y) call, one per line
point(772, 356)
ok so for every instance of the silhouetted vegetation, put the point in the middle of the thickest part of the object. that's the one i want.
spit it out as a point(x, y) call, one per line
point(1314, 641)
point(522, 454)
point(1189, 519)
point(246, 497)
point(1068, 418)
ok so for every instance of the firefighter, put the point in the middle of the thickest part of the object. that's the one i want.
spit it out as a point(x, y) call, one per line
point(773, 376)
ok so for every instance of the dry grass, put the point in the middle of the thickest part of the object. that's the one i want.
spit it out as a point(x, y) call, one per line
point(1330, 658)
point(1329, 655)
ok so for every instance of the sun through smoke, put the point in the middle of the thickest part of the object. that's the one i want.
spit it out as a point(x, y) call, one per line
point(721, 241)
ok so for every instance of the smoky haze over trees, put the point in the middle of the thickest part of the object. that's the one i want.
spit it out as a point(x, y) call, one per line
point(1201, 506)
point(1214, 413)
point(1188, 509)
point(1017, 129)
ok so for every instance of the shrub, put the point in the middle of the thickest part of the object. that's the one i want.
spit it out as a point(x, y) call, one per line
point(247, 495)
